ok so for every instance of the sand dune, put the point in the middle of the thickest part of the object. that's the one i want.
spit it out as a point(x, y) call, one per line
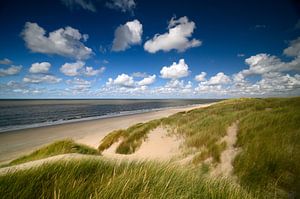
point(16, 143)
point(158, 146)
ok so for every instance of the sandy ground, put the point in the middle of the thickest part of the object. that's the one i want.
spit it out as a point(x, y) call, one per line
point(37, 163)
point(16, 143)
point(158, 146)
point(225, 167)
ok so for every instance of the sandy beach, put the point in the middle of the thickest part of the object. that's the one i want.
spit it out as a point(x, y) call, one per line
point(16, 143)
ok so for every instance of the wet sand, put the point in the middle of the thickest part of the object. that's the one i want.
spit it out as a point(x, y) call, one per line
point(16, 143)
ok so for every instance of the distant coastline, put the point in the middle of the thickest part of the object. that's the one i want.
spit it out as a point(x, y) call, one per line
point(111, 115)
point(77, 116)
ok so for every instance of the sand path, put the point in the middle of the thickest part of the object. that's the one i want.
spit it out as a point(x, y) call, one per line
point(158, 146)
point(225, 167)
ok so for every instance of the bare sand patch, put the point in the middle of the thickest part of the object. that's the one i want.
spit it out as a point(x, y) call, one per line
point(158, 146)
point(225, 168)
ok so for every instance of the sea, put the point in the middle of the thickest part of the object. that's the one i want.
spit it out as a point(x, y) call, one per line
point(22, 114)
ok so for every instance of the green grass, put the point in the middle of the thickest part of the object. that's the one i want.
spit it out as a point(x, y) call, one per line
point(132, 137)
point(270, 142)
point(59, 147)
point(104, 179)
point(269, 138)
point(268, 165)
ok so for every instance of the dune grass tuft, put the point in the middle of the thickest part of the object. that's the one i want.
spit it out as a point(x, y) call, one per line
point(105, 179)
point(59, 147)
point(131, 137)
point(268, 138)
point(270, 142)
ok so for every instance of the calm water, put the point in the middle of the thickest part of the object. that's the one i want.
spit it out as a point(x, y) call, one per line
point(20, 114)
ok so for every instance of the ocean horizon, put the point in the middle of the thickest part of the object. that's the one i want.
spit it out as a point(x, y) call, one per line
point(17, 114)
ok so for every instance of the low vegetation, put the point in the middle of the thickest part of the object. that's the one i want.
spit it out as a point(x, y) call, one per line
point(104, 179)
point(131, 138)
point(268, 163)
point(268, 136)
point(59, 147)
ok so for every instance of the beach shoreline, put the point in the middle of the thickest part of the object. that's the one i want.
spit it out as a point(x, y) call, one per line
point(90, 132)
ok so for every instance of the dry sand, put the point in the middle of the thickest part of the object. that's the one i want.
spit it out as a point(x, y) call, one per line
point(16, 143)
point(225, 166)
point(158, 146)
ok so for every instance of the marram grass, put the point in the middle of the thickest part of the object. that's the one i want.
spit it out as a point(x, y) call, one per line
point(105, 179)
point(268, 164)
point(56, 148)
point(268, 138)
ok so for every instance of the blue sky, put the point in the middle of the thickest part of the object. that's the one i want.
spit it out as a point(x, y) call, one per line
point(149, 49)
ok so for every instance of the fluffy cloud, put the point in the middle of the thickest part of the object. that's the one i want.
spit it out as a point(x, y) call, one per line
point(127, 81)
point(78, 81)
point(200, 77)
point(147, 80)
point(175, 71)
point(271, 73)
point(176, 38)
point(84, 4)
point(41, 79)
point(64, 41)
point(12, 70)
point(90, 71)
point(77, 68)
point(294, 49)
point(123, 5)
point(127, 35)
point(71, 69)
point(219, 78)
point(5, 61)
point(42, 67)
point(79, 86)
point(13, 89)
point(122, 80)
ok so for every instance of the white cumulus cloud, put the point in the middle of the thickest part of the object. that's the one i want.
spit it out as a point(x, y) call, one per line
point(127, 35)
point(147, 80)
point(79, 68)
point(12, 70)
point(175, 71)
point(64, 41)
point(219, 78)
point(72, 69)
point(176, 38)
point(294, 49)
point(200, 77)
point(42, 67)
point(123, 80)
point(5, 61)
point(90, 71)
point(41, 79)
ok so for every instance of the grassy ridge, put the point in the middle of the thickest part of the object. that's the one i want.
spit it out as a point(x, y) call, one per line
point(270, 140)
point(132, 137)
point(59, 147)
point(103, 179)
point(268, 136)
point(269, 162)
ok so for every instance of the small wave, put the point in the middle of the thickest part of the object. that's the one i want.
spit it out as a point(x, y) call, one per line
point(79, 118)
